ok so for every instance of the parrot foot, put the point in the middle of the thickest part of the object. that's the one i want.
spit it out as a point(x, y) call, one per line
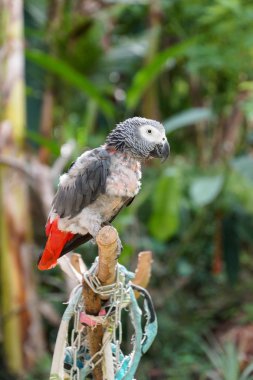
point(106, 224)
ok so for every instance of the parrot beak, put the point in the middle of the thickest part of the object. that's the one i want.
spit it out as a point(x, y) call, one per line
point(165, 151)
point(161, 151)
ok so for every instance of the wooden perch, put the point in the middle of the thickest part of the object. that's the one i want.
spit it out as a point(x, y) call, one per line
point(107, 241)
point(143, 270)
point(77, 262)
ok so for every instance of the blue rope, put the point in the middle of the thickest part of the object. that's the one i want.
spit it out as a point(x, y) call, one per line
point(73, 301)
point(131, 362)
point(143, 339)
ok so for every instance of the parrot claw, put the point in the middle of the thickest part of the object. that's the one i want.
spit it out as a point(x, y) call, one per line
point(106, 224)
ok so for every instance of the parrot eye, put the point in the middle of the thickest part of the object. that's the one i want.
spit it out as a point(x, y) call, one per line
point(149, 131)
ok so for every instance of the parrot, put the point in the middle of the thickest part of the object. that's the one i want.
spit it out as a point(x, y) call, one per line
point(99, 184)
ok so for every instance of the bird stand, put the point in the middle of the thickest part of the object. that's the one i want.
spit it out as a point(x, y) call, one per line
point(95, 307)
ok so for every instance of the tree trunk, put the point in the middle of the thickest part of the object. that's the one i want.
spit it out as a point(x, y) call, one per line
point(150, 101)
point(21, 329)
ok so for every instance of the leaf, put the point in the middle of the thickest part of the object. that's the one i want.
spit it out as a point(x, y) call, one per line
point(230, 363)
point(37, 10)
point(241, 188)
point(122, 57)
point(247, 373)
point(72, 76)
point(186, 118)
point(147, 74)
point(244, 165)
point(214, 355)
point(224, 359)
point(231, 246)
point(204, 190)
point(43, 141)
point(164, 221)
point(127, 2)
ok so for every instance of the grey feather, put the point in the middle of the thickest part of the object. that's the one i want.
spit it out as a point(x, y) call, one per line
point(86, 181)
point(69, 206)
point(83, 181)
point(79, 201)
point(126, 138)
point(79, 184)
point(59, 202)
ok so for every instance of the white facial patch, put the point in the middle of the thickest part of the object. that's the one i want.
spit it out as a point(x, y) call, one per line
point(152, 134)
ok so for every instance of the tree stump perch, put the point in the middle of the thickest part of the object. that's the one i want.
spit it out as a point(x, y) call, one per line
point(107, 241)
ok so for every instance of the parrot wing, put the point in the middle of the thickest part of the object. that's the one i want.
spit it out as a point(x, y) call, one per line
point(84, 182)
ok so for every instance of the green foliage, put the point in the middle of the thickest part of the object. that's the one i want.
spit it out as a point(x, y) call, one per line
point(41, 369)
point(51, 145)
point(187, 118)
point(148, 73)
point(204, 190)
point(70, 75)
point(244, 165)
point(164, 221)
point(231, 245)
point(225, 362)
point(195, 58)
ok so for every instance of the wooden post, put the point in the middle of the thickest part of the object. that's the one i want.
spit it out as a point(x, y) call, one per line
point(107, 241)
point(143, 270)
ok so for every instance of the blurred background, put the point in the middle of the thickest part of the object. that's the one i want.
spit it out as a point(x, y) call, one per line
point(90, 64)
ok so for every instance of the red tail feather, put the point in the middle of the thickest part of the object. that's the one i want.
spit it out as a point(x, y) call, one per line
point(54, 246)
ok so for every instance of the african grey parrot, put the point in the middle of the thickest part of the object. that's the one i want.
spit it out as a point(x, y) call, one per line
point(99, 184)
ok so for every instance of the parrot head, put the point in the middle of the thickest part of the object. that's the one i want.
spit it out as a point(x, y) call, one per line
point(141, 138)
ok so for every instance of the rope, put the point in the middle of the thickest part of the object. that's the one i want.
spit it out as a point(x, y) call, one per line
point(58, 357)
point(74, 359)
